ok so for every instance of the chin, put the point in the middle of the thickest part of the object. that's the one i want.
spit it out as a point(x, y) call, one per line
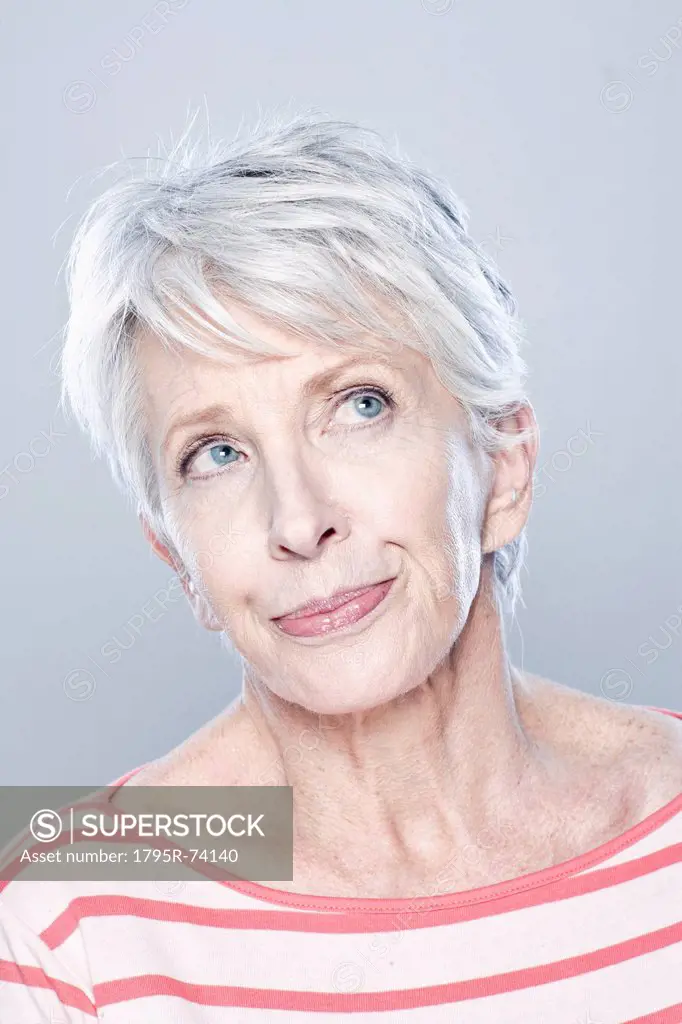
point(347, 700)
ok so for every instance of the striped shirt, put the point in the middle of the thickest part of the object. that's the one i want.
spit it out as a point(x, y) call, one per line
point(596, 939)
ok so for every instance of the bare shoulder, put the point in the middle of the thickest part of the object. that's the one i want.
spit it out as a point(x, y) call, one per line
point(217, 754)
point(643, 745)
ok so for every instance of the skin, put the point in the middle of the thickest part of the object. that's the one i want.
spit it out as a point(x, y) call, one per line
point(421, 759)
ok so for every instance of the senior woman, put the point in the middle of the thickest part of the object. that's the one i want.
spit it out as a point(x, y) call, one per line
point(291, 343)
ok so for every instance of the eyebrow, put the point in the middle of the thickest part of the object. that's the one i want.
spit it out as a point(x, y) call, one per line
point(313, 386)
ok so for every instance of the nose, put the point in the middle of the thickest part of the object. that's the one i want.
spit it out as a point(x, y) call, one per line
point(303, 518)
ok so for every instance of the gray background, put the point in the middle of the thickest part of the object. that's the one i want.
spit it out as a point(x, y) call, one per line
point(572, 182)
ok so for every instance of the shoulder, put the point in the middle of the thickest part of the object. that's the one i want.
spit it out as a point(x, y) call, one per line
point(642, 745)
point(223, 752)
point(653, 749)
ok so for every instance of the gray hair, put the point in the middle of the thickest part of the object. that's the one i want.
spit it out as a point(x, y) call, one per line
point(316, 226)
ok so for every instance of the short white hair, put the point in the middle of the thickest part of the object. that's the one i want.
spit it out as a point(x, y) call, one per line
point(307, 221)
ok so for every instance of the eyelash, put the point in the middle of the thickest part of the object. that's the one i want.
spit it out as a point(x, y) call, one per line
point(186, 456)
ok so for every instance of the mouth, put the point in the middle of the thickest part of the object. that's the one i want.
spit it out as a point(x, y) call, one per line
point(328, 615)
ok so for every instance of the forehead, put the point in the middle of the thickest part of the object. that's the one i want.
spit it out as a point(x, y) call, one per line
point(171, 373)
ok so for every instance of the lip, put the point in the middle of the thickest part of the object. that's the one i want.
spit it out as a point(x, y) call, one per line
point(348, 608)
point(328, 604)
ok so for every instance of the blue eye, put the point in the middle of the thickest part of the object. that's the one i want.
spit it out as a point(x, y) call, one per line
point(369, 403)
point(370, 399)
point(220, 449)
point(218, 453)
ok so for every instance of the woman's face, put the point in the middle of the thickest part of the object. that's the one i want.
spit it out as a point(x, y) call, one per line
point(286, 479)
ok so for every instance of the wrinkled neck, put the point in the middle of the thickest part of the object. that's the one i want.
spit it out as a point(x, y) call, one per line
point(418, 773)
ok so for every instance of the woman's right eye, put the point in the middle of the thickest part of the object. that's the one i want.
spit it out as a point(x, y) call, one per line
point(214, 457)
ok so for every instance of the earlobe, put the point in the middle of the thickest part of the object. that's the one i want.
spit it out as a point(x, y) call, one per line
point(202, 608)
point(505, 518)
point(212, 623)
point(199, 605)
point(157, 546)
point(510, 495)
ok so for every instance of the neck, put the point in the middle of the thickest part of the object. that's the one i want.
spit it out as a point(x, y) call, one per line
point(416, 781)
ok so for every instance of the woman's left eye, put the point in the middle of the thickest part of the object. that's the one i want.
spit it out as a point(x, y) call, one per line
point(366, 403)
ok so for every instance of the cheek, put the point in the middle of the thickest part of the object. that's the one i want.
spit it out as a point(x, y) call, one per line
point(463, 518)
point(464, 542)
point(401, 494)
point(210, 536)
point(208, 547)
point(447, 524)
point(212, 551)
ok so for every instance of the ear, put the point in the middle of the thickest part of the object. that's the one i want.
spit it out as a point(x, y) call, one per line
point(198, 602)
point(511, 492)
